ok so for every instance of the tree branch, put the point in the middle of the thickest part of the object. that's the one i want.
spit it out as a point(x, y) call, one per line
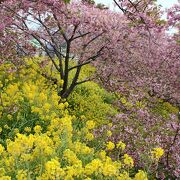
point(81, 35)
point(60, 28)
point(89, 60)
point(93, 39)
point(81, 82)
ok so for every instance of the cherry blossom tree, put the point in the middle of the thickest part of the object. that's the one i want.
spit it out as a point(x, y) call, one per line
point(78, 27)
point(143, 56)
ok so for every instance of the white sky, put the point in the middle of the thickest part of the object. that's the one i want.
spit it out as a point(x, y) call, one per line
point(164, 3)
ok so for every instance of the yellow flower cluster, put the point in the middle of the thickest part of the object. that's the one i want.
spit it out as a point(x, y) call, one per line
point(110, 146)
point(37, 129)
point(128, 160)
point(157, 153)
point(106, 167)
point(1, 149)
point(141, 175)
point(52, 170)
point(121, 145)
point(90, 124)
point(44, 144)
point(109, 133)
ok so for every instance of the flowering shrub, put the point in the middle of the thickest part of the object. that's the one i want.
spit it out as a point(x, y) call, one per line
point(38, 139)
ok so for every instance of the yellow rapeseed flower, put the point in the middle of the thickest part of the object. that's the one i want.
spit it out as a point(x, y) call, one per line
point(16, 131)
point(71, 157)
point(5, 178)
point(109, 170)
point(53, 169)
point(6, 126)
point(47, 107)
point(90, 124)
point(157, 153)
point(21, 175)
point(1, 149)
point(128, 160)
point(93, 166)
point(124, 176)
point(109, 133)
point(121, 145)
point(110, 146)
point(37, 129)
point(141, 175)
point(27, 129)
point(9, 116)
point(102, 155)
point(89, 136)
point(110, 125)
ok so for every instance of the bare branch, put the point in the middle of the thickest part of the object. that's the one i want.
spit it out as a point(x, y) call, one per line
point(81, 35)
point(74, 31)
point(93, 39)
point(60, 28)
point(81, 82)
point(89, 60)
